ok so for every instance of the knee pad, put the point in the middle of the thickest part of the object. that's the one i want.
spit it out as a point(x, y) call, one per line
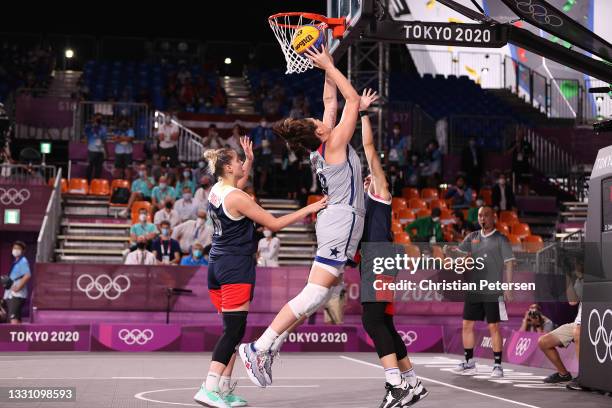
point(308, 300)
point(373, 320)
point(234, 326)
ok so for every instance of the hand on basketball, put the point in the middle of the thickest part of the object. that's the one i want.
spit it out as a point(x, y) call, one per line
point(319, 205)
point(247, 146)
point(321, 59)
point(368, 97)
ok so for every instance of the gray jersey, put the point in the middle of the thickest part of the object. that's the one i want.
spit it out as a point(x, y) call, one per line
point(342, 183)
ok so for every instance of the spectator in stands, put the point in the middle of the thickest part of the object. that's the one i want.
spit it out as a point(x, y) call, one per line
point(166, 250)
point(140, 255)
point(268, 249)
point(168, 135)
point(428, 229)
point(396, 181)
point(186, 207)
point(459, 225)
point(522, 152)
point(535, 321)
point(156, 168)
point(502, 196)
point(183, 74)
point(270, 106)
point(432, 169)
point(471, 163)
point(213, 140)
point(192, 231)
point(472, 218)
point(161, 192)
point(413, 171)
point(19, 274)
point(185, 179)
point(96, 134)
point(143, 227)
point(123, 137)
point(199, 171)
point(233, 141)
point(460, 194)
point(291, 165)
point(262, 137)
point(196, 257)
point(201, 194)
point(219, 97)
point(167, 214)
point(299, 107)
point(140, 190)
point(398, 146)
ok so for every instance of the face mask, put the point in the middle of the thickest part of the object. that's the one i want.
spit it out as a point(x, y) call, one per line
point(479, 203)
point(141, 245)
point(162, 186)
point(165, 232)
point(267, 233)
point(142, 217)
point(186, 174)
point(141, 174)
point(201, 164)
point(186, 196)
point(197, 253)
point(16, 253)
point(169, 205)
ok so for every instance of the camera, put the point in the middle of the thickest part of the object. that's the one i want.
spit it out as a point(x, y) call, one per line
point(534, 314)
point(6, 282)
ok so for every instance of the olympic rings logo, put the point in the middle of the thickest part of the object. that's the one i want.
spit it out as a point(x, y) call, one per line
point(601, 335)
point(522, 346)
point(14, 196)
point(539, 13)
point(103, 285)
point(136, 336)
point(408, 337)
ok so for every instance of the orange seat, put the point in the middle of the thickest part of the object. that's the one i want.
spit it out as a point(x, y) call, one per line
point(401, 238)
point(417, 203)
point(396, 227)
point(410, 192)
point(446, 216)
point(533, 243)
point(398, 204)
point(509, 217)
point(520, 230)
point(78, 186)
point(313, 198)
point(99, 187)
point(423, 212)
point(437, 203)
point(503, 228)
point(118, 183)
point(63, 184)
point(514, 239)
point(487, 195)
point(406, 216)
point(429, 194)
point(136, 209)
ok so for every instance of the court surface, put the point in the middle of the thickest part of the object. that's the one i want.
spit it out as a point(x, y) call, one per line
point(312, 380)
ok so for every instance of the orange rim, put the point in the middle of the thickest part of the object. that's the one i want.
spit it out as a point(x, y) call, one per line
point(337, 25)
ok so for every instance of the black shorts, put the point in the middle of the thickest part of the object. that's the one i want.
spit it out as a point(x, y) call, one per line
point(494, 312)
point(123, 161)
point(171, 153)
point(13, 308)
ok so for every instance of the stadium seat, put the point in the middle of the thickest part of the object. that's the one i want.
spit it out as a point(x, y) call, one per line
point(313, 198)
point(398, 204)
point(410, 192)
point(509, 217)
point(417, 203)
point(514, 239)
point(63, 184)
point(533, 243)
point(406, 216)
point(423, 212)
point(136, 209)
point(446, 216)
point(429, 194)
point(401, 237)
point(118, 183)
point(503, 228)
point(520, 230)
point(78, 186)
point(396, 227)
point(99, 187)
point(436, 203)
point(487, 195)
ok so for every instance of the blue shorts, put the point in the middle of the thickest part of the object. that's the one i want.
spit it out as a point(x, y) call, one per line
point(231, 281)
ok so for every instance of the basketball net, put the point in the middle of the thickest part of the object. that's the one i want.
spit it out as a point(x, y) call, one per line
point(285, 27)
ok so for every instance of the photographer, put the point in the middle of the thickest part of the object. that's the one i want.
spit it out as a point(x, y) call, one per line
point(15, 291)
point(535, 321)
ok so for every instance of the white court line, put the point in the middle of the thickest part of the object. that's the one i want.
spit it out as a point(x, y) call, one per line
point(180, 378)
point(447, 385)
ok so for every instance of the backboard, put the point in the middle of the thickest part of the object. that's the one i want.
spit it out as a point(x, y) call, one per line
point(353, 10)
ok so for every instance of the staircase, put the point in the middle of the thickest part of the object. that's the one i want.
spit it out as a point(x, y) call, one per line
point(90, 233)
point(519, 106)
point(64, 83)
point(298, 242)
point(571, 219)
point(238, 96)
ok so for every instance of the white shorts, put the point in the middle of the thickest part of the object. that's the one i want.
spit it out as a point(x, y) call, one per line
point(339, 229)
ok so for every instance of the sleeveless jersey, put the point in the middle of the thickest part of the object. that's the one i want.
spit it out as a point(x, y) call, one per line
point(377, 226)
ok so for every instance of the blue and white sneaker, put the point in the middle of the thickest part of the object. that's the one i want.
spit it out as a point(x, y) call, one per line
point(254, 362)
point(267, 371)
point(498, 371)
point(210, 398)
point(465, 368)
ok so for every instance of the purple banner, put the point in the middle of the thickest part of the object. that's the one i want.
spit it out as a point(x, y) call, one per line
point(30, 200)
point(44, 337)
point(136, 337)
point(45, 112)
point(418, 339)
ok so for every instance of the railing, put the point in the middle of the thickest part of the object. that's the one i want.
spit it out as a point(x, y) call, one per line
point(47, 236)
point(112, 114)
point(548, 158)
point(26, 173)
point(190, 144)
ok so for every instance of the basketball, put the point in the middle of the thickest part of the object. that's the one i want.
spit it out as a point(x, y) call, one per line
point(307, 36)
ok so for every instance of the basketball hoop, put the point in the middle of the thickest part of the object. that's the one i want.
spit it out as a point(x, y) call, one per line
point(285, 26)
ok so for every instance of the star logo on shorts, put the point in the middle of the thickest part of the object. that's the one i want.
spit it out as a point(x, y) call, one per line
point(334, 252)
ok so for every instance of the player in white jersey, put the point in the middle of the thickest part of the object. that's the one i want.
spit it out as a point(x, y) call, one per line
point(339, 227)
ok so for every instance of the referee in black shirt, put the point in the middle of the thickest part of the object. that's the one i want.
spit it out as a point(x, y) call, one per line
point(495, 254)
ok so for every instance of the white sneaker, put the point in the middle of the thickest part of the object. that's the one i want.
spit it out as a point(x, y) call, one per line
point(210, 399)
point(465, 367)
point(498, 371)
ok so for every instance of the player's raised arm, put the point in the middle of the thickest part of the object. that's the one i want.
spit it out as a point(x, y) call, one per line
point(330, 102)
point(379, 180)
point(247, 146)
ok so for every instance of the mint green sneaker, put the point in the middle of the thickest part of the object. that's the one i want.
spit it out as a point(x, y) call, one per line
point(210, 399)
point(234, 400)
